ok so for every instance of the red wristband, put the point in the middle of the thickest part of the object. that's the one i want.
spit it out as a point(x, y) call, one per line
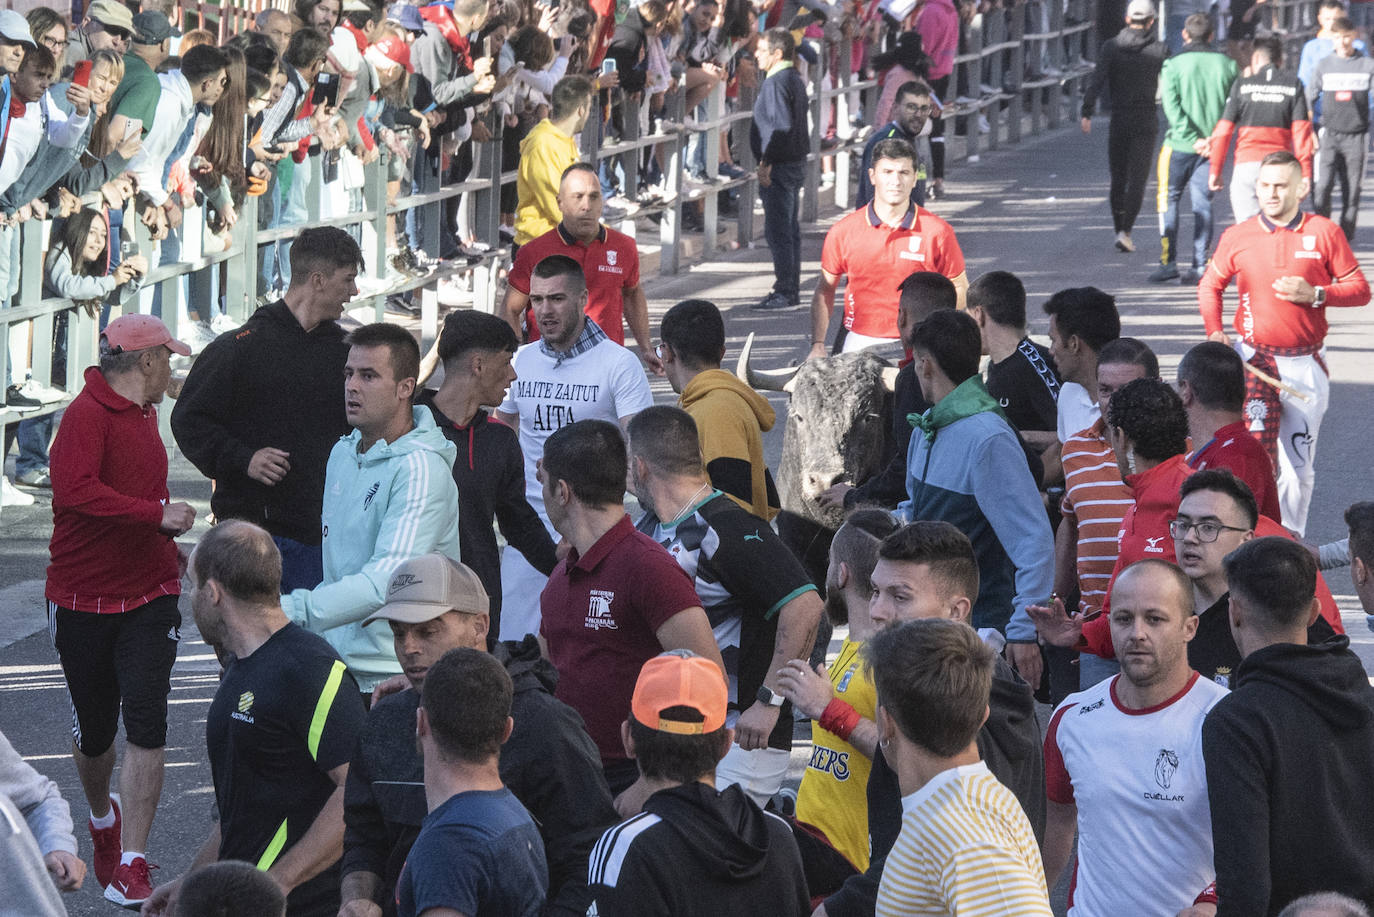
point(1208, 896)
point(840, 719)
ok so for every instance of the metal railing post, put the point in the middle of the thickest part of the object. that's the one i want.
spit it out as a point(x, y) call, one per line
point(715, 110)
point(811, 183)
point(374, 199)
point(670, 227)
point(843, 125)
point(1016, 27)
point(744, 158)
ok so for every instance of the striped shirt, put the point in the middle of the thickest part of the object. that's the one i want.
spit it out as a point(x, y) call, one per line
point(1097, 500)
point(966, 848)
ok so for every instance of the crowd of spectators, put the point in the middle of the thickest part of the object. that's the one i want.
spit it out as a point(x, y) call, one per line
point(599, 718)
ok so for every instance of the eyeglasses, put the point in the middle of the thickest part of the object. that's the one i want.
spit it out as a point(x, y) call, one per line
point(1207, 532)
point(54, 44)
point(117, 32)
point(658, 349)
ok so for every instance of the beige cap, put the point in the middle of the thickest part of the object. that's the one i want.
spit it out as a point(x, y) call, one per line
point(425, 587)
point(111, 13)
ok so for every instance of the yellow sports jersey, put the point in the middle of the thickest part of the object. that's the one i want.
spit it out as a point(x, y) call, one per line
point(833, 794)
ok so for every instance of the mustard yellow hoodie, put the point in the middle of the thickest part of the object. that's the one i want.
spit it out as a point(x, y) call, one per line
point(731, 418)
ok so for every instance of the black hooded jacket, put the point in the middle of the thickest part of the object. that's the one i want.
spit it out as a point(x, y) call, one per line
point(268, 383)
point(549, 763)
point(1128, 69)
point(1290, 774)
point(1010, 744)
point(696, 852)
point(490, 474)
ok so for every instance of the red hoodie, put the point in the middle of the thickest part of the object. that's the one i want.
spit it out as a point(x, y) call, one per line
point(109, 484)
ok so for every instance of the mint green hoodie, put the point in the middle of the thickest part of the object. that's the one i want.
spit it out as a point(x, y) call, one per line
point(391, 503)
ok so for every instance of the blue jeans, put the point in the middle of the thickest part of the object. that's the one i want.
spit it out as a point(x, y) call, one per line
point(780, 227)
point(1092, 669)
point(302, 565)
point(1190, 170)
point(33, 437)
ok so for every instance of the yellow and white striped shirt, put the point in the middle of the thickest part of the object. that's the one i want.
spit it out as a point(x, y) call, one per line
point(966, 849)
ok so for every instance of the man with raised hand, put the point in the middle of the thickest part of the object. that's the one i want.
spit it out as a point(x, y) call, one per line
point(389, 496)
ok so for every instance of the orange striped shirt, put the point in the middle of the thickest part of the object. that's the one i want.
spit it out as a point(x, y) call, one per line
point(1097, 500)
point(966, 848)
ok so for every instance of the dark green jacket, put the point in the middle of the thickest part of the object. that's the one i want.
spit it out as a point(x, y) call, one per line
point(1194, 84)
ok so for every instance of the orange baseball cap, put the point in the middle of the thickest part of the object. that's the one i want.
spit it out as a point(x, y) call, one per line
point(680, 678)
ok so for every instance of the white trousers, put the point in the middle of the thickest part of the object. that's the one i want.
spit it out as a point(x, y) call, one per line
point(1299, 425)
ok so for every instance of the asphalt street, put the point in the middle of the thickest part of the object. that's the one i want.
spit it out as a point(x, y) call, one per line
point(1038, 209)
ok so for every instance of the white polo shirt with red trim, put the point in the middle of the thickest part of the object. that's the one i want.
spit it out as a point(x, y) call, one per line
point(1138, 779)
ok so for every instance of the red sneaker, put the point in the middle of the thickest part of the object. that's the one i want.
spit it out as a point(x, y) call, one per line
point(131, 885)
point(107, 845)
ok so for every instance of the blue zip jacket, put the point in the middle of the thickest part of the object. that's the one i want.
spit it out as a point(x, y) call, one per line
point(972, 473)
point(381, 507)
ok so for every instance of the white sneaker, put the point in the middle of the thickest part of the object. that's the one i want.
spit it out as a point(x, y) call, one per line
point(13, 496)
point(1124, 243)
point(197, 335)
point(44, 393)
point(222, 323)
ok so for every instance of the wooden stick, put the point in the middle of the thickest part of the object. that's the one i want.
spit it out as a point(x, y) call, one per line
point(1277, 383)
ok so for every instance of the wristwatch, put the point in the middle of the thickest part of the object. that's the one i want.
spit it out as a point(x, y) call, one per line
point(766, 696)
point(1320, 299)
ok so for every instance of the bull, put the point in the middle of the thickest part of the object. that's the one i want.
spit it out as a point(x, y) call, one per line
point(838, 430)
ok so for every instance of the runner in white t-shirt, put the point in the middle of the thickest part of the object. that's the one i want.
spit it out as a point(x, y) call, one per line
point(573, 372)
point(1123, 762)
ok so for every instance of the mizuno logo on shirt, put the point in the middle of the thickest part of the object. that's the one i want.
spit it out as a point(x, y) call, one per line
point(371, 493)
point(1152, 545)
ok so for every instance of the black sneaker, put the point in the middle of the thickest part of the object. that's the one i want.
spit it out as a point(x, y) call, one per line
point(16, 400)
point(1190, 277)
point(1164, 273)
point(774, 302)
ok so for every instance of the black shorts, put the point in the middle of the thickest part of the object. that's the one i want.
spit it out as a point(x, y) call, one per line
point(119, 659)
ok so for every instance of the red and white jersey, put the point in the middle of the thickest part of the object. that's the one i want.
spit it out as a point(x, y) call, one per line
point(1257, 253)
point(1138, 779)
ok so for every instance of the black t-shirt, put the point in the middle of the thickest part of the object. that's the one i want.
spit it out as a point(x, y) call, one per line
point(1026, 385)
point(1213, 652)
point(744, 575)
point(282, 719)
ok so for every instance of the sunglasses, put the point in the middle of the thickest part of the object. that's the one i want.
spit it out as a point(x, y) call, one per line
point(117, 32)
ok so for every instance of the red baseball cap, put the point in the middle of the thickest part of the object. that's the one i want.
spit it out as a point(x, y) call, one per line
point(395, 50)
point(139, 332)
point(680, 678)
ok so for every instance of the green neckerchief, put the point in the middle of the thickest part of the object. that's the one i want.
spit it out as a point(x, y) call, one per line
point(779, 67)
point(968, 398)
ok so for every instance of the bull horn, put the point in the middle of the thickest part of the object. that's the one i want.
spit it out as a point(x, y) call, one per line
point(765, 380)
point(889, 375)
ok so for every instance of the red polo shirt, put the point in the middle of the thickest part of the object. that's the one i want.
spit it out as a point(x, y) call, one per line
point(610, 263)
point(601, 612)
point(1257, 253)
point(1233, 448)
point(876, 258)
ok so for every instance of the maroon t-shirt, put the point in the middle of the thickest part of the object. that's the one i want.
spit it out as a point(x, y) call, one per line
point(1236, 449)
point(601, 614)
